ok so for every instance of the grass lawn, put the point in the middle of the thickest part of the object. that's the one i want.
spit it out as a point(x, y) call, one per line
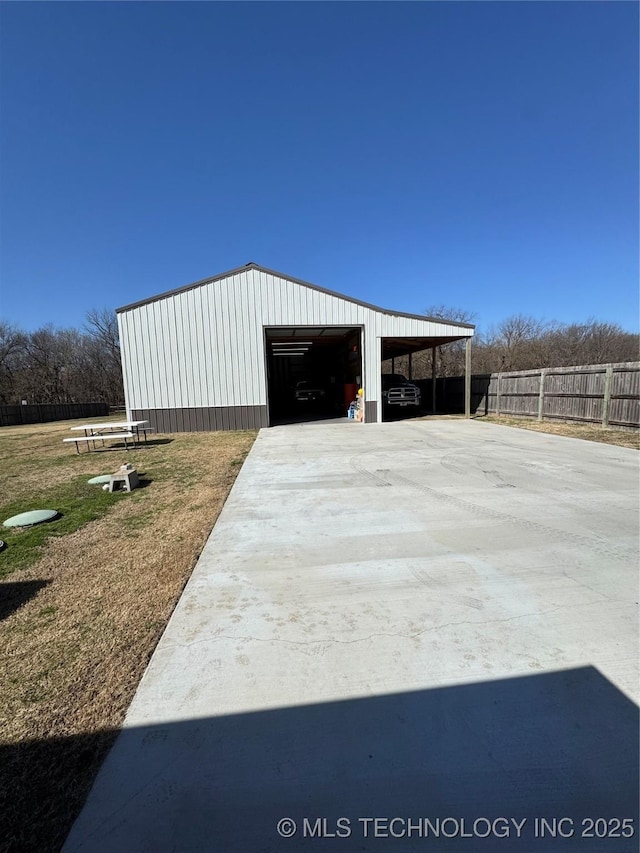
point(84, 600)
point(590, 432)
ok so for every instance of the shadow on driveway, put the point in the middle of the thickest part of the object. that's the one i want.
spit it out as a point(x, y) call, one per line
point(555, 745)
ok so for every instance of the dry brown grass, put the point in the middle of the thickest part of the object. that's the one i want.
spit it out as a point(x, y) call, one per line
point(589, 432)
point(73, 654)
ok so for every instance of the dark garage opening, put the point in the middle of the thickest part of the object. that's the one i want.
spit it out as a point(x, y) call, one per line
point(313, 373)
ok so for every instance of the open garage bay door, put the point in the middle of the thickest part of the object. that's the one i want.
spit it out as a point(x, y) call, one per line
point(313, 372)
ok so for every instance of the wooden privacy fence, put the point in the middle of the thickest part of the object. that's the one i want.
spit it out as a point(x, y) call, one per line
point(608, 394)
point(41, 413)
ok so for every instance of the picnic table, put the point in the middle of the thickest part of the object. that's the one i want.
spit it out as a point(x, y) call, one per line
point(120, 430)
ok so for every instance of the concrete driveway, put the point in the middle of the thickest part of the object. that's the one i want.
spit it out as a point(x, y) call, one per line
point(421, 621)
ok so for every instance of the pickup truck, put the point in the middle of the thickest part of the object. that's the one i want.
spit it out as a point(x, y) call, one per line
point(309, 392)
point(398, 391)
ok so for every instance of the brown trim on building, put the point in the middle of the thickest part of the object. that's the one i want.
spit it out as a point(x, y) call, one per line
point(300, 281)
point(370, 412)
point(207, 419)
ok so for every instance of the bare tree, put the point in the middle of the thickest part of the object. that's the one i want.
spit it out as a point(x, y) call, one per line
point(523, 342)
point(593, 342)
point(12, 348)
point(49, 370)
point(52, 365)
point(101, 325)
point(450, 357)
point(517, 343)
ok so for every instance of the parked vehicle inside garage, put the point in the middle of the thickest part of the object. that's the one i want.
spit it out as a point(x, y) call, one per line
point(309, 392)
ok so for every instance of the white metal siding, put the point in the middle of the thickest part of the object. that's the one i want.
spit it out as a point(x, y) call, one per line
point(205, 346)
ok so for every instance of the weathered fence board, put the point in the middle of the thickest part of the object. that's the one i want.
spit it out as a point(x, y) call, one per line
point(596, 393)
point(42, 413)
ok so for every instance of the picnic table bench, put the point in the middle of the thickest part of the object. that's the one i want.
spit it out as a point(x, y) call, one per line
point(77, 439)
point(122, 430)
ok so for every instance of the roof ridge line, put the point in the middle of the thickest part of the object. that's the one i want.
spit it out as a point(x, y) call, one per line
point(252, 265)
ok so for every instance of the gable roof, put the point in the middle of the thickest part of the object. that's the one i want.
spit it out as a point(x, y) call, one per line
point(299, 281)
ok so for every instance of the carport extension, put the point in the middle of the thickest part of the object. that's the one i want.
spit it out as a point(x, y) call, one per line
point(395, 347)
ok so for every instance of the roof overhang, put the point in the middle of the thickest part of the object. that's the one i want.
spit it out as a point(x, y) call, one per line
point(395, 347)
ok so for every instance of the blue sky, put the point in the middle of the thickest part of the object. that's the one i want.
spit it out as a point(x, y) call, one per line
point(482, 155)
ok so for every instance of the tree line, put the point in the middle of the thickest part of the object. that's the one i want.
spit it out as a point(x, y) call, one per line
point(53, 365)
point(83, 365)
point(524, 343)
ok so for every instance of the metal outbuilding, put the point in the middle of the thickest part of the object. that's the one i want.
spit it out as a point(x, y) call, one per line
point(228, 352)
